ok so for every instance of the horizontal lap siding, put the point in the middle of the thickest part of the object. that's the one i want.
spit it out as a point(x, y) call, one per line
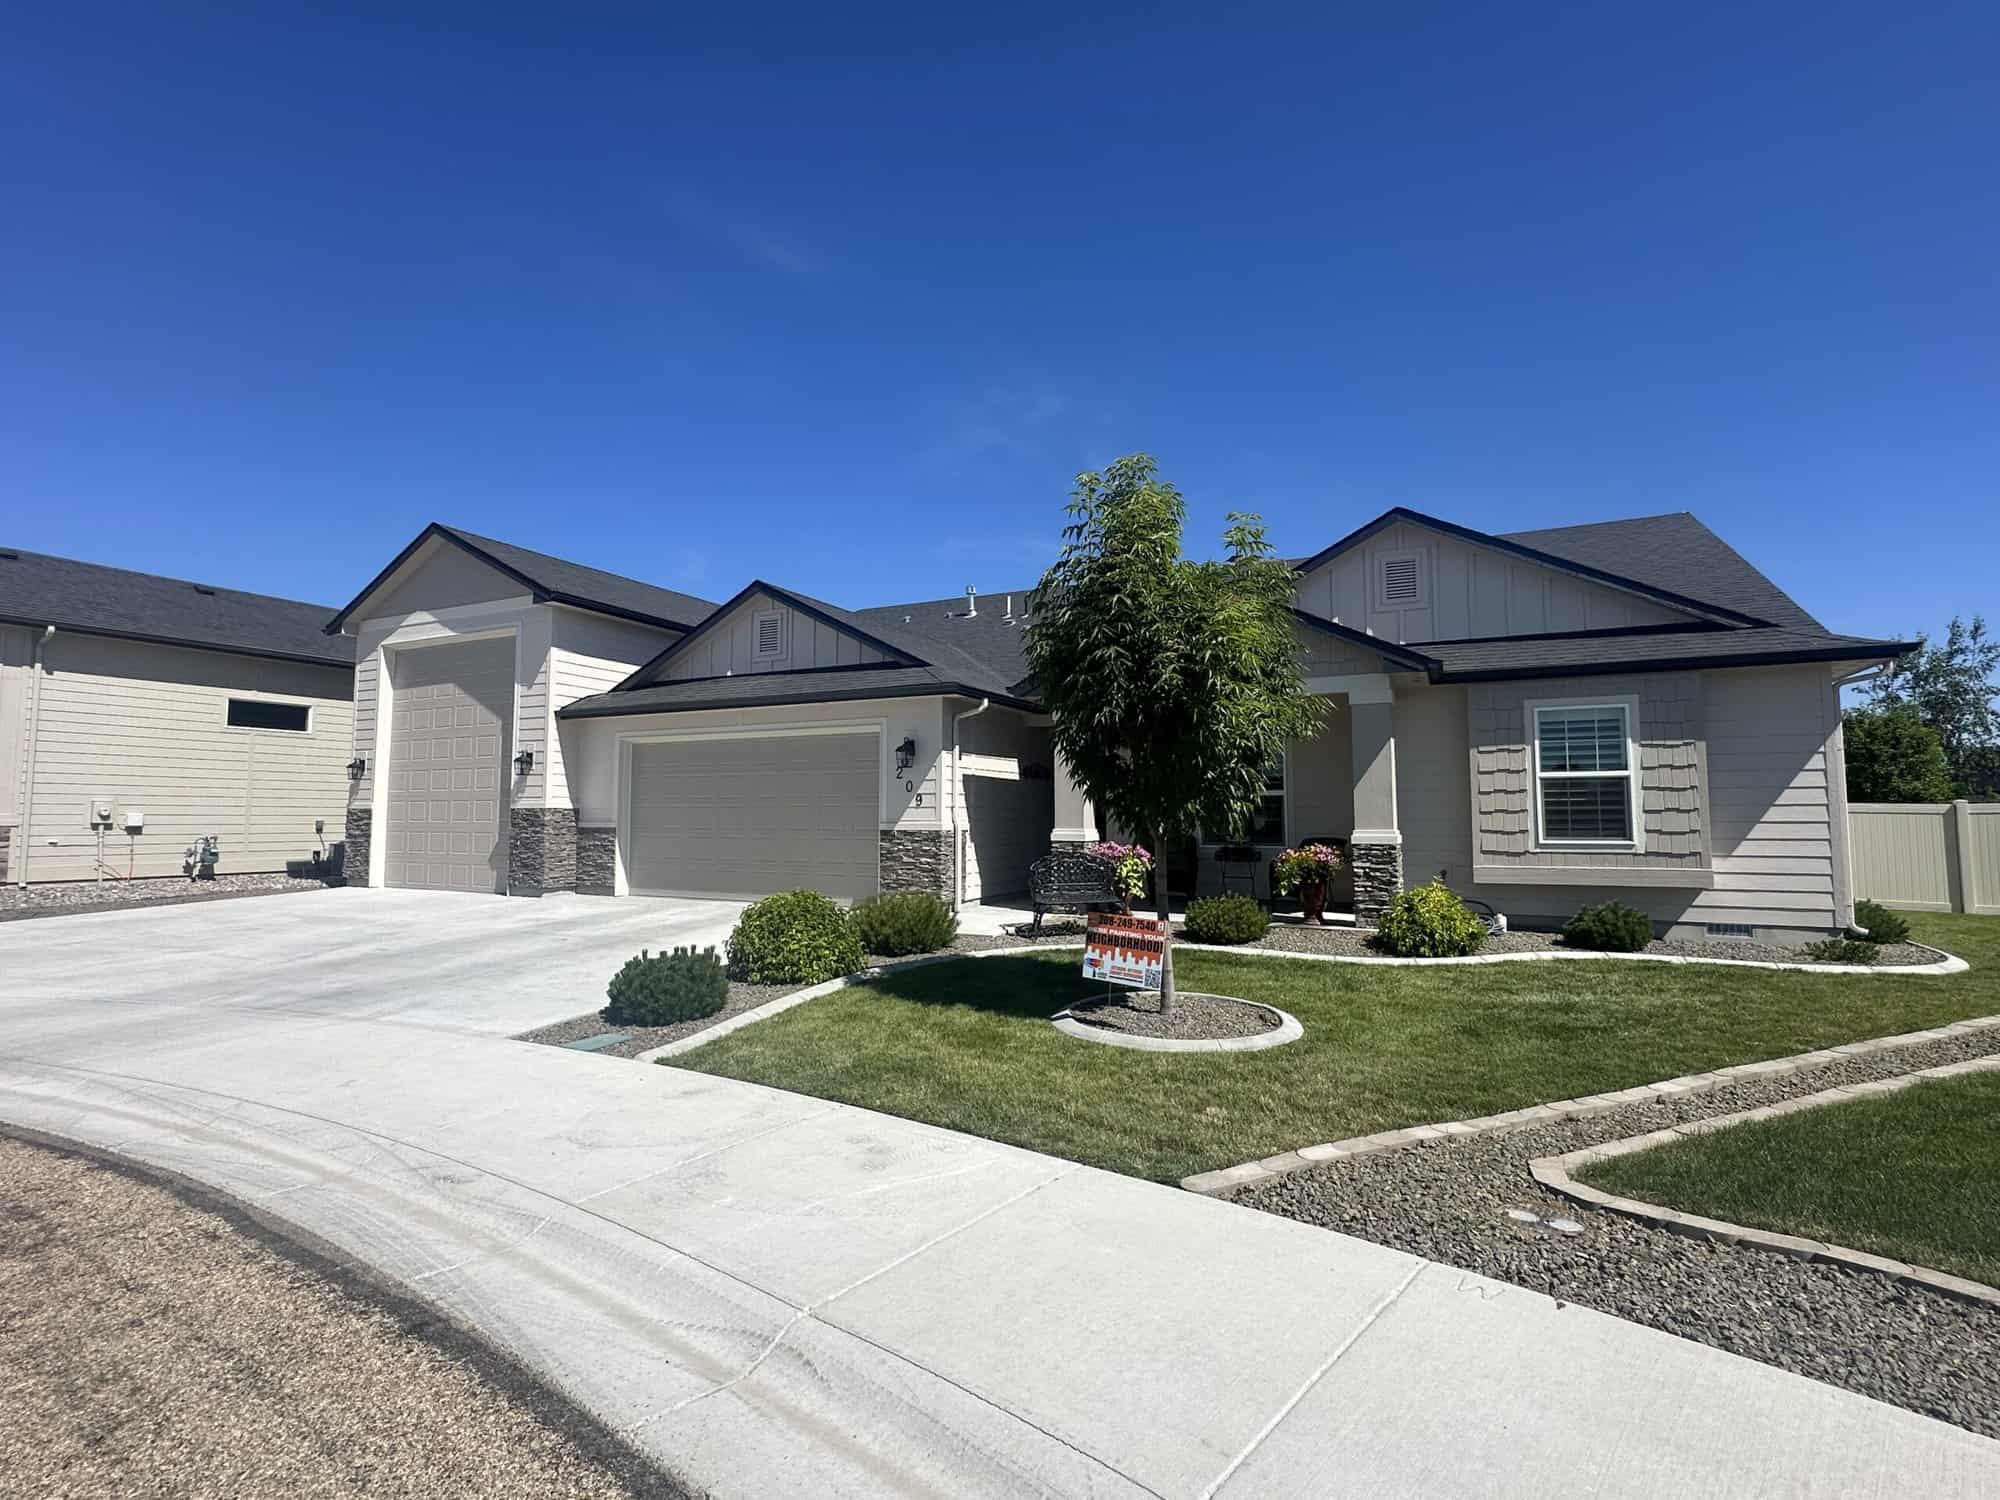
point(144, 727)
point(591, 654)
point(1770, 804)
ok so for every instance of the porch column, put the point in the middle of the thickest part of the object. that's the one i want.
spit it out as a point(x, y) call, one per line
point(1076, 819)
point(1377, 849)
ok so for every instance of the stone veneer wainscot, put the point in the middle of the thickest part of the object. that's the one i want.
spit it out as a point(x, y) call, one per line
point(541, 850)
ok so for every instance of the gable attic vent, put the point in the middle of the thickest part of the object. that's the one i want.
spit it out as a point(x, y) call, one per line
point(1402, 580)
point(770, 634)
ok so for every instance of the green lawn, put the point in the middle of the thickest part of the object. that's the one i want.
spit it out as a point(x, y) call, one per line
point(967, 1045)
point(1913, 1175)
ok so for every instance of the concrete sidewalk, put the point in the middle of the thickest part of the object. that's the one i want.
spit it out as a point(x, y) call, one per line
point(777, 1296)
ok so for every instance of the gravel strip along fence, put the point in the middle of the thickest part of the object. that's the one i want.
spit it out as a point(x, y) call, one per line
point(160, 1343)
point(1448, 1200)
point(71, 897)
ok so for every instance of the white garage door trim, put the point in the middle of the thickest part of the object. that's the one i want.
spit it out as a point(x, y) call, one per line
point(877, 728)
point(436, 633)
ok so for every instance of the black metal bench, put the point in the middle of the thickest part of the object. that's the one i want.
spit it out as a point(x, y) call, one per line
point(1071, 882)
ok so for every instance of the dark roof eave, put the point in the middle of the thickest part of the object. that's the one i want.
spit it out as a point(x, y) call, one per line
point(188, 642)
point(1532, 554)
point(1795, 656)
point(583, 710)
point(1415, 660)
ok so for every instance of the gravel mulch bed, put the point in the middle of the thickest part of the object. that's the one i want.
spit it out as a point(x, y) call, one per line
point(70, 897)
point(159, 1345)
point(1206, 1018)
point(1448, 1200)
point(1289, 937)
point(742, 997)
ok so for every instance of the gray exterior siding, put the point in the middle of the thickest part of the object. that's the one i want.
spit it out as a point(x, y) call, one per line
point(728, 646)
point(145, 727)
point(1469, 591)
point(1760, 747)
point(440, 576)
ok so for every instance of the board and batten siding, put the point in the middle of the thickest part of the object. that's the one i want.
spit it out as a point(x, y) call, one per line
point(728, 647)
point(145, 727)
point(1469, 591)
point(1764, 750)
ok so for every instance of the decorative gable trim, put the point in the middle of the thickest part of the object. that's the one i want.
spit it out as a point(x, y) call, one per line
point(644, 675)
point(1712, 612)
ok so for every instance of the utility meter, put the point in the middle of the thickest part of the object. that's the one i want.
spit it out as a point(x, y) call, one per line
point(100, 812)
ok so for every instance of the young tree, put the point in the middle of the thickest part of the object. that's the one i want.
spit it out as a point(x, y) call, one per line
point(1893, 756)
point(1951, 688)
point(1172, 683)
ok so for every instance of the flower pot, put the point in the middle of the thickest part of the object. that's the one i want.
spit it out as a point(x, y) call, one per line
point(1312, 903)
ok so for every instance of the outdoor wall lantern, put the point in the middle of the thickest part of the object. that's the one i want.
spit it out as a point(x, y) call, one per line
point(524, 762)
point(906, 756)
point(356, 769)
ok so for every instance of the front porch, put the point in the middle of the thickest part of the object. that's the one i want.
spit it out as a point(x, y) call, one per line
point(1338, 787)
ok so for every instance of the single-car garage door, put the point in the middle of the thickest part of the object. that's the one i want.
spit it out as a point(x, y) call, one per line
point(452, 712)
point(744, 817)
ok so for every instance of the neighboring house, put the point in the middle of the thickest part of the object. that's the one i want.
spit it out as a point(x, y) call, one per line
point(1627, 710)
point(138, 713)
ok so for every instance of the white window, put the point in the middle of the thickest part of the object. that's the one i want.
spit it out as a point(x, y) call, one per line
point(1586, 773)
point(1400, 581)
point(769, 630)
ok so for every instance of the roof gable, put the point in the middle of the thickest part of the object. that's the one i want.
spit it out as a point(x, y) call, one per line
point(809, 636)
point(547, 580)
point(1479, 594)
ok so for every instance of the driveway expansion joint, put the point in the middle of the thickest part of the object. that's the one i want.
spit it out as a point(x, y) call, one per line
point(1553, 1173)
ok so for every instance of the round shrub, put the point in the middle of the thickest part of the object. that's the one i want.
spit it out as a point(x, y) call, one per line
point(1429, 922)
point(794, 937)
point(1841, 951)
point(658, 989)
point(1610, 928)
point(1881, 924)
point(903, 922)
point(1225, 919)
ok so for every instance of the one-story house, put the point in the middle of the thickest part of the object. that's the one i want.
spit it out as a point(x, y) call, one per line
point(1624, 710)
point(139, 713)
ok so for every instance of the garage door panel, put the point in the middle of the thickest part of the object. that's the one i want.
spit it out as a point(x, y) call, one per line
point(451, 715)
point(746, 817)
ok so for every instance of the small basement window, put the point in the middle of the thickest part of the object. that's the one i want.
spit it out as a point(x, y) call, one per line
point(1586, 774)
point(770, 634)
point(257, 713)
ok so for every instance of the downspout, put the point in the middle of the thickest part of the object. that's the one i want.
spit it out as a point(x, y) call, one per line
point(37, 659)
point(957, 804)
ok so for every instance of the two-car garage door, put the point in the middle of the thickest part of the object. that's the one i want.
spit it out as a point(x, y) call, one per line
point(745, 816)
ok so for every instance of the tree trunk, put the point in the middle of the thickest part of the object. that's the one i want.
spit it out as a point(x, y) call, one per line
point(1166, 928)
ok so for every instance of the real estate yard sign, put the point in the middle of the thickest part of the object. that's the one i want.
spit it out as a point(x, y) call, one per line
point(1124, 950)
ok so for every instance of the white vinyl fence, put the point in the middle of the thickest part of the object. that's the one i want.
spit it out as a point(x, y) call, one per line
point(1927, 856)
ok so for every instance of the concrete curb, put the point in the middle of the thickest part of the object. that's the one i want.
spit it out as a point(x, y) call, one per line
point(1288, 1029)
point(1225, 1178)
point(1553, 1173)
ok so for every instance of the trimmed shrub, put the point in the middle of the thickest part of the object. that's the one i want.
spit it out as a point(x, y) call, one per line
point(1225, 919)
point(1430, 922)
point(794, 937)
point(658, 989)
point(1883, 925)
point(1612, 927)
point(903, 922)
point(1841, 951)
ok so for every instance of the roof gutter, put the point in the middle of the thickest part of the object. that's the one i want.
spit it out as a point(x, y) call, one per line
point(581, 709)
point(184, 641)
point(1799, 657)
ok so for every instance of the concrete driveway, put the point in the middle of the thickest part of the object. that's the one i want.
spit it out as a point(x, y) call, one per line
point(775, 1296)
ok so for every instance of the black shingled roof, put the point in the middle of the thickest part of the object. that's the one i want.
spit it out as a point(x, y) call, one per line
point(553, 579)
point(38, 589)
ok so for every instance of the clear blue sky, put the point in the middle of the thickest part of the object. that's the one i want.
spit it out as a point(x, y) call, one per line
point(847, 299)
